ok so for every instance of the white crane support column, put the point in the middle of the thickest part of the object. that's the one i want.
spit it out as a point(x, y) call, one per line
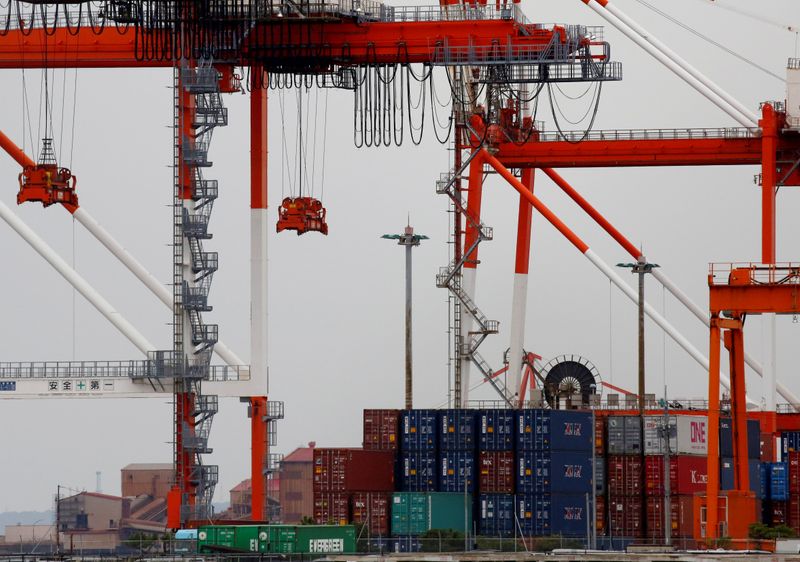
point(259, 230)
point(745, 119)
point(81, 285)
point(142, 274)
point(519, 297)
point(677, 59)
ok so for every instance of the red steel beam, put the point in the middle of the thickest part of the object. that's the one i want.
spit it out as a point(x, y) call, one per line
point(347, 42)
point(618, 153)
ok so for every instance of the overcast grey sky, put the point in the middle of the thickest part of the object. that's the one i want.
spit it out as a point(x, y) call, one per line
point(336, 316)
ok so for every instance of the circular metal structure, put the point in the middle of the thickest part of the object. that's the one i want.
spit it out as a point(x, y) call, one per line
point(570, 378)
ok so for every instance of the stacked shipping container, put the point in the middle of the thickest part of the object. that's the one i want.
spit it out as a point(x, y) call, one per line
point(343, 474)
point(554, 471)
point(496, 472)
point(417, 462)
point(457, 453)
point(624, 475)
point(688, 472)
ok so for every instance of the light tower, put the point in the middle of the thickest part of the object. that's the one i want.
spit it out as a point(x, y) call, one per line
point(409, 240)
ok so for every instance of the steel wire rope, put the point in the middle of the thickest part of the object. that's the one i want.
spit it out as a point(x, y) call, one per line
point(324, 147)
point(401, 111)
point(709, 40)
point(91, 19)
point(591, 123)
point(4, 29)
point(420, 103)
point(554, 100)
point(43, 13)
point(68, 24)
point(284, 149)
point(435, 117)
point(21, 21)
point(357, 115)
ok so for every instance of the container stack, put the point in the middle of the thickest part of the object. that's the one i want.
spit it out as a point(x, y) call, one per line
point(600, 484)
point(343, 474)
point(688, 472)
point(776, 497)
point(624, 474)
point(554, 471)
point(790, 454)
point(457, 451)
point(417, 462)
point(381, 433)
point(726, 478)
point(496, 472)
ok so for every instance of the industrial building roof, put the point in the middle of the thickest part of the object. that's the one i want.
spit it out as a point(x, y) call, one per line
point(149, 466)
point(301, 454)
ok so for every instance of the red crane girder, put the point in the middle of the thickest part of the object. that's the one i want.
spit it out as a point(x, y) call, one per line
point(703, 151)
point(343, 41)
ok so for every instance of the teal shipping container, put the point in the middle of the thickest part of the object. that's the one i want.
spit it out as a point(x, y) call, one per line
point(414, 513)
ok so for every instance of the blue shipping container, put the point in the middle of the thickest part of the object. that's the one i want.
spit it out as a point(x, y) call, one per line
point(726, 439)
point(778, 481)
point(457, 471)
point(417, 471)
point(496, 430)
point(556, 430)
point(533, 514)
point(556, 514)
point(457, 430)
point(418, 430)
point(546, 472)
point(726, 476)
point(790, 442)
point(496, 515)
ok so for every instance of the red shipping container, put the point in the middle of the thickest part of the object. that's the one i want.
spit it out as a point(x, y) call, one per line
point(496, 472)
point(793, 513)
point(681, 518)
point(625, 517)
point(600, 436)
point(778, 513)
point(331, 508)
point(624, 475)
point(353, 470)
point(793, 459)
point(688, 474)
point(381, 429)
point(372, 509)
point(600, 520)
point(767, 447)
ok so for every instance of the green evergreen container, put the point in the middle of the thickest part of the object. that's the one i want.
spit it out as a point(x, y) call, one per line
point(277, 539)
point(414, 513)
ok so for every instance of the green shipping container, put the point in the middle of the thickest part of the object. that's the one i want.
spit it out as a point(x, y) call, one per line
point(278, 539)
point(413, 513)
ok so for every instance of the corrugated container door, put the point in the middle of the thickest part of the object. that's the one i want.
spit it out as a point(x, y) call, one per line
point(496, 515)
point(778, 481)
point(418, 471)
point(381, 429)
point(496, 430)
point(372, 510)
point(418, 430)
point(457, 430)
point(533, 473)
point(496, 472)
point(457, 471)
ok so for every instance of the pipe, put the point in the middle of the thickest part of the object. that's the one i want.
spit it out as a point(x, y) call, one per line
point(612, 275)
point(83, 287)
point(15, 152)
point(685, 65)
point(742, 119)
